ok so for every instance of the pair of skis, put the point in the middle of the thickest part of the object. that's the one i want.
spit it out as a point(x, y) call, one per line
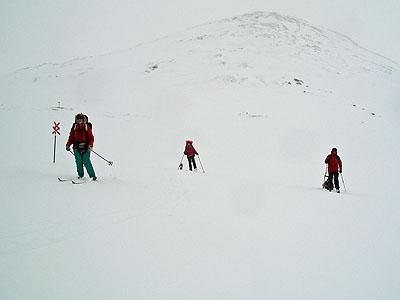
point(74, 181)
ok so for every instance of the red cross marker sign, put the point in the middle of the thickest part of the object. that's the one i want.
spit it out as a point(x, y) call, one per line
point(56, 128)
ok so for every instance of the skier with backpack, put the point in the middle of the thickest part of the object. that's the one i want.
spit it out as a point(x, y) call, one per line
point(190, 152)
point(334, 166)
point(82, 139)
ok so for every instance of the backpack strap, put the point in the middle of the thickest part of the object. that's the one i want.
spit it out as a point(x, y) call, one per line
point(86, 126)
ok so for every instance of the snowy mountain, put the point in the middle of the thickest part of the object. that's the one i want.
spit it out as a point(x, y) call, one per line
point(264, 97)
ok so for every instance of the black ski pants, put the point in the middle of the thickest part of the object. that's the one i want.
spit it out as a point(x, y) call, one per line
point(335, 177)
point(191, 161)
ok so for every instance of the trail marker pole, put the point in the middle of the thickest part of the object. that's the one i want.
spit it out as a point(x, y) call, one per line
point(56, 130)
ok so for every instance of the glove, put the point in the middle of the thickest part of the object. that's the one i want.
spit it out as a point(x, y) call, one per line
point(90, 148)
point(340, 171)
point(67, 148)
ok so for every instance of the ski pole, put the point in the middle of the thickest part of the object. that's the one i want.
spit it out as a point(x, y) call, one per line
point(343, 182)
point(180, 166)
point(201, 163)
point(325, 176)
point(109, 161)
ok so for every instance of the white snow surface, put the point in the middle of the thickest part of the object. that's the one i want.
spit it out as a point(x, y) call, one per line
point(256, 224)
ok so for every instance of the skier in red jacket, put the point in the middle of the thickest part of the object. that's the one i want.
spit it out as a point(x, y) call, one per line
point(190, 152)
point(82, 139)
point(334, 168)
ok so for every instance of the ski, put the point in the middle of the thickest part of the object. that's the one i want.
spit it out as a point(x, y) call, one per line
point(74, 181)
point(334, 191)
point(78, 182)
point(84, 180)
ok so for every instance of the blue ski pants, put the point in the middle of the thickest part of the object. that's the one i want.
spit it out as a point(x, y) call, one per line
point(83, 159)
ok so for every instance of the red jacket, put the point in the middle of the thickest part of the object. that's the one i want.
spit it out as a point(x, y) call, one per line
point(189, 150)
point(334, 163)
point(80, 133)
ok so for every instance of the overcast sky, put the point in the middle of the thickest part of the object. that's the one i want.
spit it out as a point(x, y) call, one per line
point(33, 32)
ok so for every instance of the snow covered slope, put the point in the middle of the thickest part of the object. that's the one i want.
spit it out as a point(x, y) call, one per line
point(264, 97)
